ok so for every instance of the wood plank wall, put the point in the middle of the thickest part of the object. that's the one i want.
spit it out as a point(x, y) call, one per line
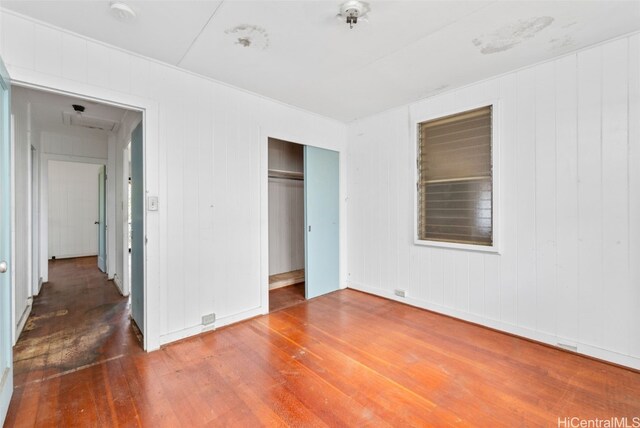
point(205, 241)
point(569, 214)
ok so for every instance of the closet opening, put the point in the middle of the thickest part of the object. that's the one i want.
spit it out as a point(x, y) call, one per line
point(286, 224)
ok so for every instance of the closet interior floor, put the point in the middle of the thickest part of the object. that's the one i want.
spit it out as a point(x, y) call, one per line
point(284, 297)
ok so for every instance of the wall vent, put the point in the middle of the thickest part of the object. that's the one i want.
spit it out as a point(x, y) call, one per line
point(208, 319)
point(84, 121)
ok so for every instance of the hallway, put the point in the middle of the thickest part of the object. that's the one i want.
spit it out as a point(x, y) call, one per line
point(78, 319)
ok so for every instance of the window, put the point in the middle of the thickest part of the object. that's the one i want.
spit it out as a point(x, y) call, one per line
point(455, 178)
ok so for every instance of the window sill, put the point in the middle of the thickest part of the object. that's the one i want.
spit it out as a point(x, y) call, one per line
point(493, 249)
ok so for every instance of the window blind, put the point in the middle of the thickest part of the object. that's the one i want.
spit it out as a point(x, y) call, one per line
point(455, 178)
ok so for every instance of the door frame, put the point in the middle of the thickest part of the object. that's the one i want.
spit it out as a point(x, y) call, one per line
point(151, 177)
point(103, 205)
point(321, 143)
point(43, 233)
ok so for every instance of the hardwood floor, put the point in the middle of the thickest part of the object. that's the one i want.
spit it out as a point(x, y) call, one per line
point(284, 297)
point(79, 318)
point(344, 359)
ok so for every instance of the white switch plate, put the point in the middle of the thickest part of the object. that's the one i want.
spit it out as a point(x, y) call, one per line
point(152, 203)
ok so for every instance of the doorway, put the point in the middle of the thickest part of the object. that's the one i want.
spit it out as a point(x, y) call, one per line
point(82, 313)
point(76, 211)
point(303, 222)
point(286, 224)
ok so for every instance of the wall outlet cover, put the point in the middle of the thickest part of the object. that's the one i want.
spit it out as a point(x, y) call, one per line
point(208, 319)
point(152, 203)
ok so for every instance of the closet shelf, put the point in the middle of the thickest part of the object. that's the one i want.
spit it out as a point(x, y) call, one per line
point(286, 175)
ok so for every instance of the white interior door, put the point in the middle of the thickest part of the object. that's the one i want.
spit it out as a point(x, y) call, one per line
point(6, 357)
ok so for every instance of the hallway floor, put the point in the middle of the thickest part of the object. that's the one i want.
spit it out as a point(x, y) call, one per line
point(78, 319)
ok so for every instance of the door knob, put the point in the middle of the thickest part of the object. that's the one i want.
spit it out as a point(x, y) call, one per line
point(96, 222)
point(3, 266)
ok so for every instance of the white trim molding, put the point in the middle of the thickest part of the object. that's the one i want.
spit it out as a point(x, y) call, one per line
point(152, 221)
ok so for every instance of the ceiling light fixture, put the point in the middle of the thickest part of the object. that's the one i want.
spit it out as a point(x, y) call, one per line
point(352, 11)
point(122, 11)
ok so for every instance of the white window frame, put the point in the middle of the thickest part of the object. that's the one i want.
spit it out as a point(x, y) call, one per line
point(425, 115)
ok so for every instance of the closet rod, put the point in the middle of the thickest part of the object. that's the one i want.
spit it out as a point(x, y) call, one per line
point(286, 175)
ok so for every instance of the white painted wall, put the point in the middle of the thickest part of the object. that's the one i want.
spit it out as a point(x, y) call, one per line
point(286, 209)
point(73, 209)
point(75, 143)
point(206, 160)
point(570, 213)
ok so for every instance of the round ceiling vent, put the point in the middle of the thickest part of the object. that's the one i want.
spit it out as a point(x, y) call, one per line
point(122, 11)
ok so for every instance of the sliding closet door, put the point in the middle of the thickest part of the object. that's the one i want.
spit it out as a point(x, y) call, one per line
point(322, 226)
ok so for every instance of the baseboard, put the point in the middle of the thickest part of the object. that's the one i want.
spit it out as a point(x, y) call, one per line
point(285, 279)
point(72, 256)
point(198, 329)
point(116, 281)
point(275, 287)
point(6, 389)
point(547, 339)
point(23, 319)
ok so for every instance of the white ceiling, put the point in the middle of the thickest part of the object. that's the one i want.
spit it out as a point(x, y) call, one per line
point(47, 110)
point(302, 55)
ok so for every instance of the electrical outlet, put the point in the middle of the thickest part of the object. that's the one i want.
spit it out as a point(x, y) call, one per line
point(400, 293)
point(208, 319)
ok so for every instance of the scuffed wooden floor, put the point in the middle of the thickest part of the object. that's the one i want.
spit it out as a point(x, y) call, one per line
point(78, 319)
point(340, 360)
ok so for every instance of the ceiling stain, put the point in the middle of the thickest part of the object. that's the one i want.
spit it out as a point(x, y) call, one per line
point(562, 42)
point(244, 42)
point(511, 35)
point(249, 36)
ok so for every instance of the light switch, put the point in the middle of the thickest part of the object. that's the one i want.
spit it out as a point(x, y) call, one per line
point(152, 203)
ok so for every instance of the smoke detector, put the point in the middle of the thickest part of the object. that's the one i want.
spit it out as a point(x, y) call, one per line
point(352, 11)
point(122, 11)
